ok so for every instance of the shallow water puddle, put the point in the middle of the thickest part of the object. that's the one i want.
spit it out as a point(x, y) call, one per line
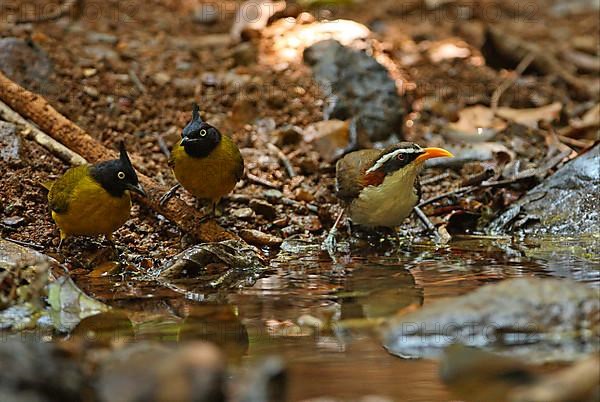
point(321, 316)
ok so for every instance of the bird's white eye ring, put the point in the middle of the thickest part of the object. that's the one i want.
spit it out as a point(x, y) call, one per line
point(203, 132)
point(400, 157)
point(121, 175)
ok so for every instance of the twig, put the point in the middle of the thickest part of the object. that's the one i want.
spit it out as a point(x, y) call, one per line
point(62, 10)
point(162, 145)
point(34, 246)
point(540, 171)
point(510, 81)
point(136, 81)
point(545, 59)
point(56, 148)
point(263, 182)
point(50, 121)
point(297, 204)
point(576, 143)
point(284, 160)
point(458, 191)
point(424, 219)
point(435, 178)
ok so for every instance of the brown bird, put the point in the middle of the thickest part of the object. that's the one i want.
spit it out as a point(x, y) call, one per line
point(381, 188)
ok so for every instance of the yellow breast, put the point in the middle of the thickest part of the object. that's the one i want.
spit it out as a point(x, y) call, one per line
point(210, 177)
point(92, 210)
point(388, 204)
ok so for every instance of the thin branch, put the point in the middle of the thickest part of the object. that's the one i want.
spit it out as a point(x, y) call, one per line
point(510, 81)
point(260, 181)
point(55, 147)
point(283, 159)
point(136, 81)
point(434, 179)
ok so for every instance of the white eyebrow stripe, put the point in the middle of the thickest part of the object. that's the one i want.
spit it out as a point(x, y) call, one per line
point(381, 161)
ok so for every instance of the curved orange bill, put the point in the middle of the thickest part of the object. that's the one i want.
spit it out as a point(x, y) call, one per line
point(433, 153)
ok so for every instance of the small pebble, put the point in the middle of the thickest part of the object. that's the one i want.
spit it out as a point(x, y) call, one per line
point(91, 92)
point(263, 208)
point(161, 78)
point(243, 213)
point(272, 194)
point(13, 221)
point(89, 72)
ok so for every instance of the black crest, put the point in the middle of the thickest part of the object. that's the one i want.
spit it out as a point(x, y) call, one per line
point(198, 137)
point(116, 175)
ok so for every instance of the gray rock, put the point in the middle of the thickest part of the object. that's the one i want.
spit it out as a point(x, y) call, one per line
point(36, 371)
point(359, 87)
point(27, 64)
point(565, 204)
point(147, 371)
point(13, 221)
point(24, 275)
point(524, 311)
point(10, 142)
point(265, 381)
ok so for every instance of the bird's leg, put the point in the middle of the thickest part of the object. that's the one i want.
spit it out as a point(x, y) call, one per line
point(329, 243)
point(398, 239)
point(169, 194)
point(212, 214)
point(113, 245)
point(63, 236)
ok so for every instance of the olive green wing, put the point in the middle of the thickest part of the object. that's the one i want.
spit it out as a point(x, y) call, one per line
point(239, 171)
point(349, 172)
point(233, 152)
point(176, 152)
point(62, 190)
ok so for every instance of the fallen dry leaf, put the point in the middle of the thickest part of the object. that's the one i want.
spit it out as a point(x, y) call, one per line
point(531, 117)
point(475, 124)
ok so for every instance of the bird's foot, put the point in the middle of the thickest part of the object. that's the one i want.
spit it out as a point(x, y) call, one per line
point(330, 243)
point(207, 217)
point(163, 200)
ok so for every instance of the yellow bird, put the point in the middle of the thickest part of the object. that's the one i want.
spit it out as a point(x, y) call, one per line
point(92, 200)
point(205, 162)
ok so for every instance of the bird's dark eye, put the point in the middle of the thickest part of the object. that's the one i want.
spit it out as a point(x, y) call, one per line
point(202, 132)
point(400, 156)
point(121, 175)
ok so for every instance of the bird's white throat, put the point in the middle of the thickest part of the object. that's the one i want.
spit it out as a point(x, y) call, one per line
point(387, 204)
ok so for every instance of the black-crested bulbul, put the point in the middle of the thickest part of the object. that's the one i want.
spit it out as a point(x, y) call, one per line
point(92, 200)
point(205, 162)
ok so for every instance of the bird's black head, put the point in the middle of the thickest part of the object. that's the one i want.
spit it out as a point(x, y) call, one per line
point(117, 175)
point(396, 157)
point(199, 138)
point(405, 157)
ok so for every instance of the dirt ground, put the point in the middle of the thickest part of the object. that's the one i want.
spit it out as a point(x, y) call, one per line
point(131, 71)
